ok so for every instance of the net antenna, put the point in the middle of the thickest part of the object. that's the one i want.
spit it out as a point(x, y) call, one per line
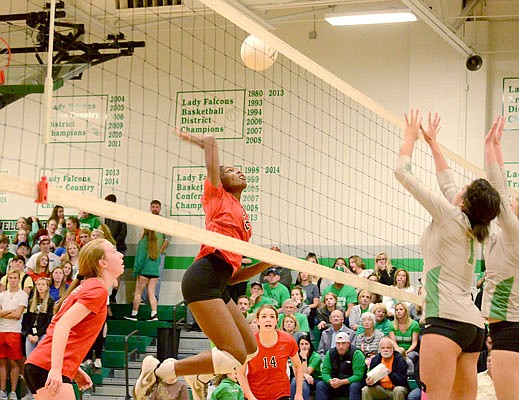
point(5, 58)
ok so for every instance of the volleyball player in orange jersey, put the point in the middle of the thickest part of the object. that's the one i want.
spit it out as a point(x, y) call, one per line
point(204, 283)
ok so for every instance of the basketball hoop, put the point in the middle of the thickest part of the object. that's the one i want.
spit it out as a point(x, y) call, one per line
point(5, 58)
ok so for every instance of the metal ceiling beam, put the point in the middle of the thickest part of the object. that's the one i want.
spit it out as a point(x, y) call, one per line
point(441, 28)
point(240, 7)
point(309, 3)
point(460, 20)
point(290, 17)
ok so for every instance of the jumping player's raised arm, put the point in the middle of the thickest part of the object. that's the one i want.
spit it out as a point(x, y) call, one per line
point(210, 147)
point(494, 167)
point(433, 202)
point(445, 180)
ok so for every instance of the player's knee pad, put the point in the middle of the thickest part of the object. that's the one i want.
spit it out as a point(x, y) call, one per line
point(224, 362)
point(251, 356)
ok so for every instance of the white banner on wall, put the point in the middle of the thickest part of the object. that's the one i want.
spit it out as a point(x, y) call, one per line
point(80, 180)
point(511, 103)
point(512, 174)
point(219, 112)
point(78, 119)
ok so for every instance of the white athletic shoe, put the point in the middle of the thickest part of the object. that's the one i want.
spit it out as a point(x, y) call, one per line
point(198, 388)
point(147, 379)
point(98, 363)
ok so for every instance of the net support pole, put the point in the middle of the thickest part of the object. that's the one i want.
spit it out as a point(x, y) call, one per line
point(49, 83)
point(146, 220)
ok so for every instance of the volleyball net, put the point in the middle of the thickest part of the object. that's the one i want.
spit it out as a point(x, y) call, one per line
point(318, 154)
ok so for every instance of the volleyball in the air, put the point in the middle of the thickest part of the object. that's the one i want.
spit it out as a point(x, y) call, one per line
point(256, 54)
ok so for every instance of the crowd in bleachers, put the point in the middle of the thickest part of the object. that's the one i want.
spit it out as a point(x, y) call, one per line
point(319, 311)
point(43, 259)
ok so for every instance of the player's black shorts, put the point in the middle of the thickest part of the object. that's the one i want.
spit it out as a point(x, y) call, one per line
point(469, 337)
point(35, 377)
point(505, 336)
point(207, 279)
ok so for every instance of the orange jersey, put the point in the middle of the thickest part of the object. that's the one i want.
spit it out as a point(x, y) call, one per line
point(93, 295)
point(267, 372)
point(224, 214)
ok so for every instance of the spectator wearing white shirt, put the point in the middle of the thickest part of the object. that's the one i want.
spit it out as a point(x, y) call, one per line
point(54, 260)
point(486, 390)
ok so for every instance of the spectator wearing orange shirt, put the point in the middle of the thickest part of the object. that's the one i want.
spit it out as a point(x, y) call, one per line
point(394, 384)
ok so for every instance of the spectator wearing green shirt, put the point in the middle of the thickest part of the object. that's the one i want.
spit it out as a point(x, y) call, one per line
point(55, 238)
point(340, 265)
point(274, 290)
point(311, 362)
point(30, 225)
point(284, 273)
point(404, 334)
point(289, 308)
point(228, 388)
point(163, 243)
point(342, 371)
point(346, 296)
point(5, 255)
point(256, 298)
point(382, 323)
point(88, 221)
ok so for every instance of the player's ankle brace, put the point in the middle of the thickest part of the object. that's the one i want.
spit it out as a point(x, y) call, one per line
point(224, 362)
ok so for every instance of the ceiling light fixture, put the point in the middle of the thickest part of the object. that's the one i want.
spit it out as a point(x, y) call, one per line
point(369, 18)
